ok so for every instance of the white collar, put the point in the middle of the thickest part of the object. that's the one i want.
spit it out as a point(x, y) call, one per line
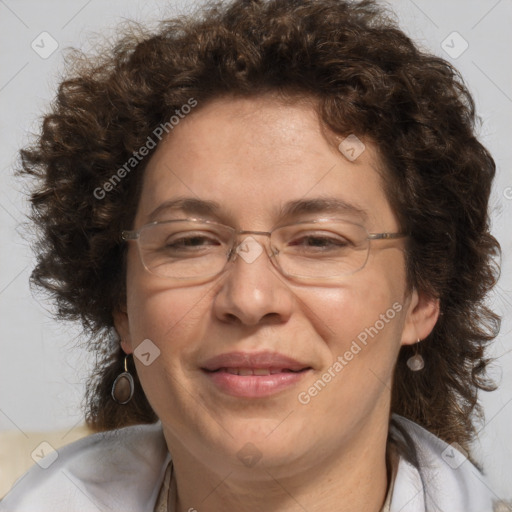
point(445, 480)
point(124, 470)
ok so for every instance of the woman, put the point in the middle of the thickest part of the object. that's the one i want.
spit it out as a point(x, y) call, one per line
point(272, 221)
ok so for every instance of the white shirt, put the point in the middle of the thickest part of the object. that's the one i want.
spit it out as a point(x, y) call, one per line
point(123, 470)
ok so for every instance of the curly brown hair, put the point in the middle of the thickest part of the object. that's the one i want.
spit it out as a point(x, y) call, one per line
point(369, 79)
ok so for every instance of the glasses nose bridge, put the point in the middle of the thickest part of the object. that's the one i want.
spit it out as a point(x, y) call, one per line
point(246, 232)
point(238, 240)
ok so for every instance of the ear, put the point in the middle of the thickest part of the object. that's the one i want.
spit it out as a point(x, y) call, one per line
point(422, 315)
point(122, 325)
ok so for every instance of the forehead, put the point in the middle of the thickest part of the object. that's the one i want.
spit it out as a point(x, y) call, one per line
point(254, 158)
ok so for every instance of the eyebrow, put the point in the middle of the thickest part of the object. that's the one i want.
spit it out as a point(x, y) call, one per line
point(296, 208)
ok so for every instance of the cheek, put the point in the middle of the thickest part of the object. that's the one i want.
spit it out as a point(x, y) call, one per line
point(170, 318)
point(174, 320)
point(343, 314)
point(158, 312)
point(361, 324)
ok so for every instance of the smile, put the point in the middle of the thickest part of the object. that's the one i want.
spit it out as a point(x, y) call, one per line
point(254, 382)
point(256, 371)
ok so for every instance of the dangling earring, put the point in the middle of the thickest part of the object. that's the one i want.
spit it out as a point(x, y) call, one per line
point(124, 386)
point(416, 362)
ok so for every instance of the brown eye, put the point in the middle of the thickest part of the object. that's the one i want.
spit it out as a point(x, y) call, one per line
point(191, 241)
point(320, 241)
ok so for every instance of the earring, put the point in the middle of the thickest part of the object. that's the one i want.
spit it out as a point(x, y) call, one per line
point(124, 386)
point(416, 362)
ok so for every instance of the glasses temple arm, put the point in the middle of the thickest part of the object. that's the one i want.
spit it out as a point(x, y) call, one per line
point(386, 236)
point(129, 235)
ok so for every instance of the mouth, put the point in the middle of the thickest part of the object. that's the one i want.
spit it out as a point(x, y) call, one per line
point(253, 362)
point(253, 375)
point(255, 371)
point(250, 383)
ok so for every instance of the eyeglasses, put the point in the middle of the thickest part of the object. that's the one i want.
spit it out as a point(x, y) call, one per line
point(313, 251)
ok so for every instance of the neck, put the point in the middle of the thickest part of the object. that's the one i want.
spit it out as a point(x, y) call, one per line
point(347, 480)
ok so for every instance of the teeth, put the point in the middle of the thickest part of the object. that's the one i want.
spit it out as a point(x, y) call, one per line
point(261, 371)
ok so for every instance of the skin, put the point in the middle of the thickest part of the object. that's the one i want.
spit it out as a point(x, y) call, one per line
point(252, 156)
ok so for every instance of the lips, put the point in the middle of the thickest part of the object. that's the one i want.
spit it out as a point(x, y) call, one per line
point(246, 375)
point(256, 363)
point(255, 371)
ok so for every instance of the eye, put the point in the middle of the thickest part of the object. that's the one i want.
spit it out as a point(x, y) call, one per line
point(321, 241)
point(189, 242)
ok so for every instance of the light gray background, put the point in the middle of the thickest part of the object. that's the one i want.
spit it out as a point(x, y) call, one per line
point(42, 373)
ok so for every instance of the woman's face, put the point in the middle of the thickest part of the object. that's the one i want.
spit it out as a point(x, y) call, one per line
point(253, 157)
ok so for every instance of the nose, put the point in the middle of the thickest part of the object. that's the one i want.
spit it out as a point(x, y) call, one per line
point(252, 291)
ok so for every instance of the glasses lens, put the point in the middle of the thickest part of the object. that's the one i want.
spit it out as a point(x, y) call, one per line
point(322, 249)
point(184, 249)
point(188, 249)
